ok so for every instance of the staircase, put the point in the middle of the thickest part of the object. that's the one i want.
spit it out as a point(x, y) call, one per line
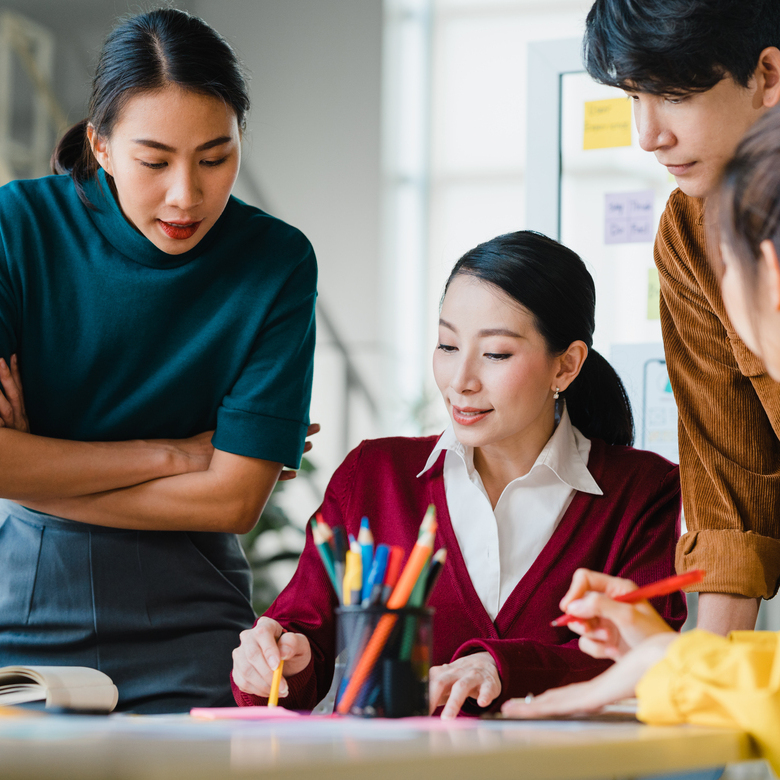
point(31, 118)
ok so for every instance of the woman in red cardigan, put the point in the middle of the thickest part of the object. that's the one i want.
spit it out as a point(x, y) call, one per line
point(533, 479)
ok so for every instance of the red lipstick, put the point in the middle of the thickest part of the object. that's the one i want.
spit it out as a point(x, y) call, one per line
point(179, 230)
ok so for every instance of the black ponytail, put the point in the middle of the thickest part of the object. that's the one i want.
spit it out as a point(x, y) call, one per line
point(149, 52)
point(72, 154)
point(552, 283)
point(598, 403)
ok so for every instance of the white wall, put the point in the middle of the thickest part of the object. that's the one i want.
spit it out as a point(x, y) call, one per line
point(313, 147)
point(475, 170)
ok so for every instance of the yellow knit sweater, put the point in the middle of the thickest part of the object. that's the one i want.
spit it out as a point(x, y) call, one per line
point(714, 681)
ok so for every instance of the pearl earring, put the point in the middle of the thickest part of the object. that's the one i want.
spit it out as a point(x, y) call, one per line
point(557, 393)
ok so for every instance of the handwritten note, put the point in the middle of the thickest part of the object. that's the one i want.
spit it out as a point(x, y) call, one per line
point(607, 123)
point(628, 217)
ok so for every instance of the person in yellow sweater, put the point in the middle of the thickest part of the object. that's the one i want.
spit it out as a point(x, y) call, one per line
point(698, 677)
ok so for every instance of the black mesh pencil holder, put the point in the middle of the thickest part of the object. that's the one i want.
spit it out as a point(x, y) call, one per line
point(384, 656)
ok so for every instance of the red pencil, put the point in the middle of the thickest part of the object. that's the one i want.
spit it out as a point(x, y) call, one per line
point(660, 588)
point(393, 571)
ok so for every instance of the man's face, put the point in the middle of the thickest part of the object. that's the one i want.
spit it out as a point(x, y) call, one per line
point(695, 135)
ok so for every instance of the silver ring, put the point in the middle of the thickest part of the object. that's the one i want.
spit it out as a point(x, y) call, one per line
point(529, 698)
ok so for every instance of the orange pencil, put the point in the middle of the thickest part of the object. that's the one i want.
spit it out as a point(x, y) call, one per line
point(419, 557)
point(661, 588)
point(398, 598)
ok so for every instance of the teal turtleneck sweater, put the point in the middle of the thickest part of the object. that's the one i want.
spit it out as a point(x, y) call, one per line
point(118, 340)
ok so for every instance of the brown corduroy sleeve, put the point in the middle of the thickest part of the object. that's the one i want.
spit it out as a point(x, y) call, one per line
point(729, 413)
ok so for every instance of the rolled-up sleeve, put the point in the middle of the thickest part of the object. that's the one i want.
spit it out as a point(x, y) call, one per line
point(266, 414)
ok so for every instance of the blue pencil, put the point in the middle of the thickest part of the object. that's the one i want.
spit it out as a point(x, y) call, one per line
point(366, 541)
point(372, 592)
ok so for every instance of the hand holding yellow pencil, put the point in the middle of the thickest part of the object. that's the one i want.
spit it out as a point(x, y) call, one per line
point(256, 659)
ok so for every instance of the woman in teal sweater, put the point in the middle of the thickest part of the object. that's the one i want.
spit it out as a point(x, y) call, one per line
point(145, 309)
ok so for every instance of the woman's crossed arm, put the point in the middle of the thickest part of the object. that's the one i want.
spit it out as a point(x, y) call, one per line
point(181, 484)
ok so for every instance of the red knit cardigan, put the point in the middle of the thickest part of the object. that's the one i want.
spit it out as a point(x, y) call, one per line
point(631, 531)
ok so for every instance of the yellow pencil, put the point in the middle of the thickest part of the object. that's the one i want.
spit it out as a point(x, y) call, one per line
point(273, 697)
point(353, 579)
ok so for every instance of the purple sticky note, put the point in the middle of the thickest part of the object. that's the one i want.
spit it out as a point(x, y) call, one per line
point(628, 217)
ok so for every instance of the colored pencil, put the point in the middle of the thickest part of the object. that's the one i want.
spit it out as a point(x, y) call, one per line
point(416, 599)
point(361, 624)
point(340, 557)
point(418, 591)
point(417, 560)
point(353, 579)
point(393, 571)
point(661, 588)
point(435, 569)
point(326, 554)
point(429, 520)
point(327, 531)
point(398, 598)
point(273, 696)
point(372, 593)
point(366, 541)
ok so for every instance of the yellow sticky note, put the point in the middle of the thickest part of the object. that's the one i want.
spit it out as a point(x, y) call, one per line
point(653, 295)
point(607, 123)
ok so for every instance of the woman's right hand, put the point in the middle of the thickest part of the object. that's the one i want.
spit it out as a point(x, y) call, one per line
point(198, 450)
point(609, 628)
point(12, 412)
point(193, 454)
point(256, 658)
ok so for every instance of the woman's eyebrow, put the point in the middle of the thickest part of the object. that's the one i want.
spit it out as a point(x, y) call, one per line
point(484, 332)
point(499, 332)
point(223, 139)
point(446, 324)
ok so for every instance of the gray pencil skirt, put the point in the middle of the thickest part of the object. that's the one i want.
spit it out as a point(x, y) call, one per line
point(159, 612)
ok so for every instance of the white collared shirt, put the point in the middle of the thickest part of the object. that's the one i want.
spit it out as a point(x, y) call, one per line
point(499, 546)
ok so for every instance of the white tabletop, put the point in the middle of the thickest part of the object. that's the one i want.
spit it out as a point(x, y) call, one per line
point(177, 746)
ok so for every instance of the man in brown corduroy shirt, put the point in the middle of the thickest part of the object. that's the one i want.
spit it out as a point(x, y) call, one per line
point(700, 72)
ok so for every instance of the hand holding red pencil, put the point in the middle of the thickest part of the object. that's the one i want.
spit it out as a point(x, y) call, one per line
point(611, 614)
point(634, 634)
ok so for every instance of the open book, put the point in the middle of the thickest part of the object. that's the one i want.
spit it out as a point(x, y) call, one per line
point(70, 687)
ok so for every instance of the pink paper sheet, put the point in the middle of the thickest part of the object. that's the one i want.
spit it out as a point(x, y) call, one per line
point(245, 713)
